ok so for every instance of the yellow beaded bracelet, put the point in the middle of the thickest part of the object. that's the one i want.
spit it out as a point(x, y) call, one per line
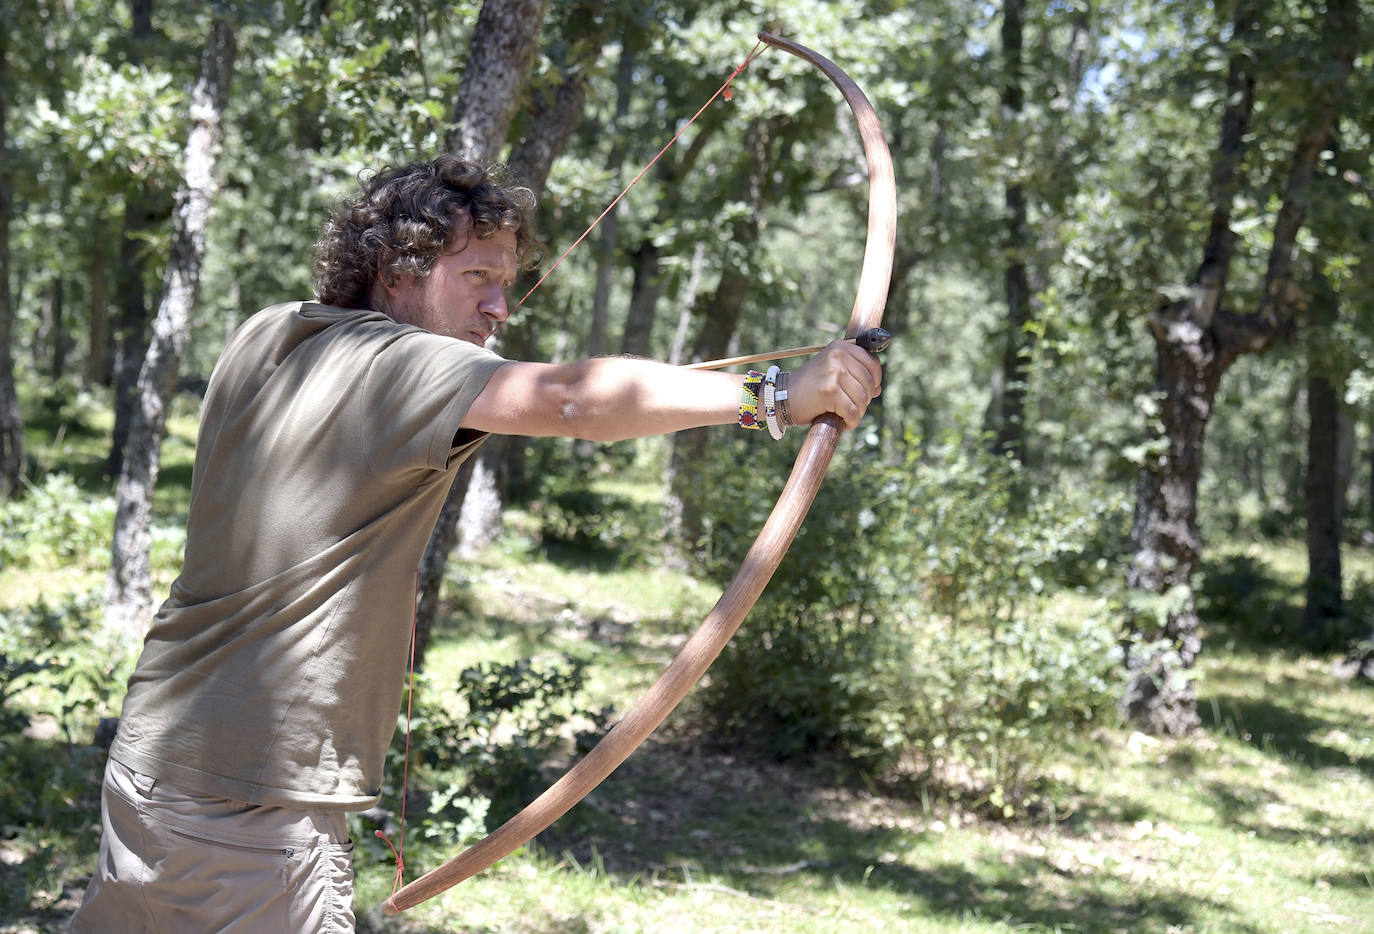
point(749, 401)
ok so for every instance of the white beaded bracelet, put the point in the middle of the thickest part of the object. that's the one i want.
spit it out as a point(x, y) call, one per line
point(770, 405)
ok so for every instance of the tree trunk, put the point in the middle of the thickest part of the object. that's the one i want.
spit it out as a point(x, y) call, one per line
point(718, 327)
point(1010, 438)
point(50, 345)
point(145, 208)
point(689, 448)
point(1322, 487)
point(1196, 341)
point(502, 50)
point(1160, 695)
point(688, 301)
point(647, 287)
point(553, 116)
point(673, 505)
point(608, 244)
point(11, 422)
point(128, 596)
point(97, 368)
point(500, 55)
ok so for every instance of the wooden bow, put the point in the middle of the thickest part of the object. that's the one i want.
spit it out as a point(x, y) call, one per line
point(759, 564)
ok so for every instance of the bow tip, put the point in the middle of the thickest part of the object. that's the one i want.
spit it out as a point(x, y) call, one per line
point(389, 906)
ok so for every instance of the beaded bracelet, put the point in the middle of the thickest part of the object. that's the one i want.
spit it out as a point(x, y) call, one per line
point(780, 397)
point(770, 404)
point(749, 401)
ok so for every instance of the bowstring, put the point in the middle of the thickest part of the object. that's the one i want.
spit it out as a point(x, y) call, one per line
point(723, 89)
point(399, 852)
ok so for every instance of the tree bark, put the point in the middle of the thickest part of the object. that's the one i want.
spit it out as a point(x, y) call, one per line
point(128, 590)
point(145, 207)
point(718, 326)
point(645, 290)
point(11, 422)
point(50, 342)
point(553, 115)
point(500, 55)
point(1322, 487)
point(1196, 341)
point(97, 366)
point(608, 243)
point(1010, 437)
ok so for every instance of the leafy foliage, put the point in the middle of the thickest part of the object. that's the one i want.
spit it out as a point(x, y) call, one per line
point(57, 524)
point(54, 673)
point(604, 525)
point(478, 756)
point(919, 639)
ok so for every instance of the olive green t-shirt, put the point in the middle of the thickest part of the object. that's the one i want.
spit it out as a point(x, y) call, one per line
point(274, 672)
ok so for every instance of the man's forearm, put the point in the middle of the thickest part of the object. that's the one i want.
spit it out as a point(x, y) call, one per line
point(603, 399)
point(615, 398)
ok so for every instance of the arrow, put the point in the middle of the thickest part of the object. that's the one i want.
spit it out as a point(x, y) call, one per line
point(874, 340)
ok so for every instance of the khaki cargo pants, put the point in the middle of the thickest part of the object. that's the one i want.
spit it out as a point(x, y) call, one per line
point(177, 863)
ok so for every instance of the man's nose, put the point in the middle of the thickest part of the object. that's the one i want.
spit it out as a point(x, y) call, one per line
point(495, 306)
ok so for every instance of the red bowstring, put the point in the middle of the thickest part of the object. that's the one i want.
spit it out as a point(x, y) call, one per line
point(405, 772)
point(723, 89)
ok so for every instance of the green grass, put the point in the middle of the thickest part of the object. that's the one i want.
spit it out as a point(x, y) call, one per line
point(1261, 822)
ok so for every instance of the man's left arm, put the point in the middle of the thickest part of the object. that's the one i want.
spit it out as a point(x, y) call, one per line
point(615, 398)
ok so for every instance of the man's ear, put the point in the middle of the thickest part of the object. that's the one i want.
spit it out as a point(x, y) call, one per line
point(394, 283)
point(389, 287)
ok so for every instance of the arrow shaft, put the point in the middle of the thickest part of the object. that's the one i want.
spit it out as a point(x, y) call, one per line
point(755, 358)
point(874, 340)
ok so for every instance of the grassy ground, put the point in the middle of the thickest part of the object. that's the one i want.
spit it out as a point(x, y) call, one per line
point(1261, 822)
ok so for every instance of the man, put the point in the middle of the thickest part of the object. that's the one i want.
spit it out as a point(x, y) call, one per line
point(261, 708)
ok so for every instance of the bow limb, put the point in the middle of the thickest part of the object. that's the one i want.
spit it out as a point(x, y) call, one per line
point(759, 564)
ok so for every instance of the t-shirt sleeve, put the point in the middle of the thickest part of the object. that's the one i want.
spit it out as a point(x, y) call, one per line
point(417, 390)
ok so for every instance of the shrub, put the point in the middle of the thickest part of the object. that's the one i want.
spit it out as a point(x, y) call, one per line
point(597, 523)
point(58, 523)
point(50, 668)
point(476, 760)
point(917, 627)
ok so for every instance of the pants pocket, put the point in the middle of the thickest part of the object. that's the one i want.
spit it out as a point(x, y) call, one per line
point(322, 880)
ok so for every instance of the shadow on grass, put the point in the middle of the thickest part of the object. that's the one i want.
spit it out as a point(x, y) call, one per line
point(755, 827)
point(1283, 731)
point(1245, 601)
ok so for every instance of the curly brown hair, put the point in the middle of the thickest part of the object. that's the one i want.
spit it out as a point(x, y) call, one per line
point(406, 216)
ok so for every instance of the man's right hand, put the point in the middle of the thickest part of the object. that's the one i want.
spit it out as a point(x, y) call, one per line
point(842, 379)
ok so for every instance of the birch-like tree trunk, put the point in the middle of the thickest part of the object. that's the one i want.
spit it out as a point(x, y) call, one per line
point(608, 244)
point(719, 323)
point(128, 590)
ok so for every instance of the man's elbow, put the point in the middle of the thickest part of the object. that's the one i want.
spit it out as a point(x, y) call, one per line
point(586, 422)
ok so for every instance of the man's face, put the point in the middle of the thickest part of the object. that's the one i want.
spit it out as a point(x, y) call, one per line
point(464, 296)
